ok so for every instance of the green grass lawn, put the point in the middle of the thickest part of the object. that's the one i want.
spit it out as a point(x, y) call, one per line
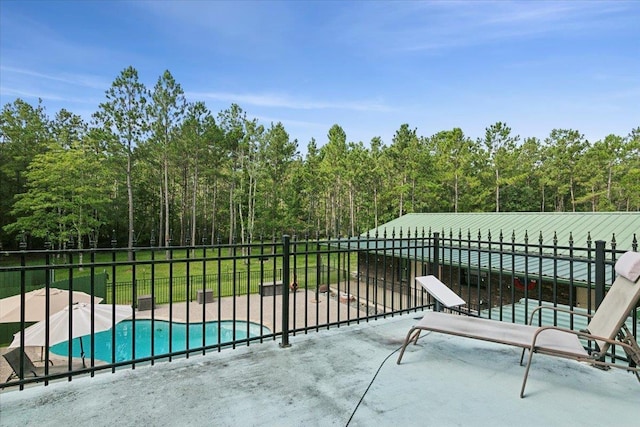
point(178, 274)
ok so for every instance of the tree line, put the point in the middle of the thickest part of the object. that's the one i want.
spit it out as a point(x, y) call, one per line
point(151, 168)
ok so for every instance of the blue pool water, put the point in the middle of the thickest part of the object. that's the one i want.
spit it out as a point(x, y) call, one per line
point(143, 331)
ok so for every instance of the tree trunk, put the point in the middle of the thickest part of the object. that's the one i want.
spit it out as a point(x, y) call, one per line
point(609, 184)
point(352, 216)
point(497, 191)
point(232, 219)
point(130, 205)
point(193, 206)
point(161, 217)
point(401, 204)
point(375, 207)
point(572, 193)
point(184, 231)
point(455, 193)
point(214, 208)
point(167, 232)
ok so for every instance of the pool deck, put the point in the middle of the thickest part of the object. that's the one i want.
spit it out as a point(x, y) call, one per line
point(321, 378)
point(310, 309)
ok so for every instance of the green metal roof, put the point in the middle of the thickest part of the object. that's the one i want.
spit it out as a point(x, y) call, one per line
point(578, 270)
point(624, 227)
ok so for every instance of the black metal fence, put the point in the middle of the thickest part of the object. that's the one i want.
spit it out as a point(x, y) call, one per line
point(187, 300)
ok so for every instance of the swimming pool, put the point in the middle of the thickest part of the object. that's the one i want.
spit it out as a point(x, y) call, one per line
point(143, 331)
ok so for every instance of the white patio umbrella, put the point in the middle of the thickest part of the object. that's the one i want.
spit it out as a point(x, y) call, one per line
point(35, 304)
point(35, 335)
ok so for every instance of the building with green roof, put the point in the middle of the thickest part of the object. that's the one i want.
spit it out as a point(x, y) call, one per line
point(544, 252)
point(619, 229)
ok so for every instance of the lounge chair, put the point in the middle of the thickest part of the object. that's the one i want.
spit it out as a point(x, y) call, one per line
point(13, 359)
point(605, 328)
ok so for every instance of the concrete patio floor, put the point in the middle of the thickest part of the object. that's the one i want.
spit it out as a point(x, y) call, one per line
point(319, 380)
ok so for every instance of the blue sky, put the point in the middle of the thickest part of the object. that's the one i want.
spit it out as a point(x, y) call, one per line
point(367, 66)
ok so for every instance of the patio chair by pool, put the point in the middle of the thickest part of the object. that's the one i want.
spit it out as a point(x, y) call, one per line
point(13, 359)
point(606, 326)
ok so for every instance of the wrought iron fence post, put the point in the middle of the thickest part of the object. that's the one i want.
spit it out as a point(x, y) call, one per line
point(23, 291)
point(600, 271)
point(436, 254)
point(436, 264)
point(286, 241)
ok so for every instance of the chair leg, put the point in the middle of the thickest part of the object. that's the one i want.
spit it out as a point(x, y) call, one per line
point(522, 356)
point(415, 338)
point(407, 340)
point(526, 372)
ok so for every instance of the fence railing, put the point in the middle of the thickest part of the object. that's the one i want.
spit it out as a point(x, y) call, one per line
point(187, 288)
point(186, 300)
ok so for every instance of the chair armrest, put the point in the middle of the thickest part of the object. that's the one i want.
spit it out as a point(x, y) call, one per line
point(556, 309)
point(584, 335)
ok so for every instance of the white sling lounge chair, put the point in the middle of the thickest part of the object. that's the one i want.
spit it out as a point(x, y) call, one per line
point(606, 326)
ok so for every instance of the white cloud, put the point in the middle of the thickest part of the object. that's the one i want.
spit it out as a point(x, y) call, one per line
point(283, 101)
point(18, 93)
point(436, 26)
point(84, 80)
